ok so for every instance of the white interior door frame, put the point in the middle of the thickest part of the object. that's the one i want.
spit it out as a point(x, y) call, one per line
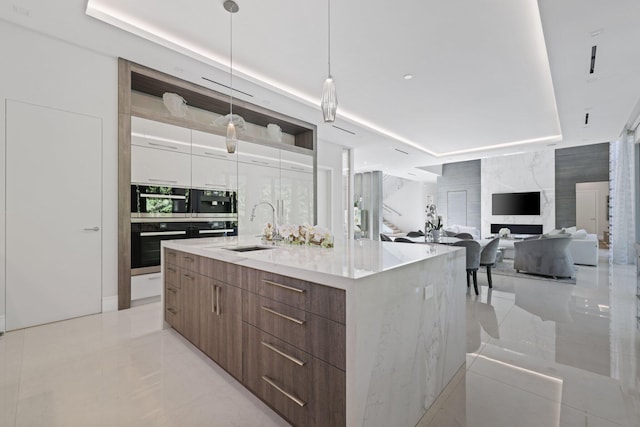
point(53, 215)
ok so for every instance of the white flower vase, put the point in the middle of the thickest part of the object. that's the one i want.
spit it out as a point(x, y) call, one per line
point(435, 235)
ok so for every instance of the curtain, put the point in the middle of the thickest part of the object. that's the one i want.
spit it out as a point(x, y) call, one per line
point(622, 199)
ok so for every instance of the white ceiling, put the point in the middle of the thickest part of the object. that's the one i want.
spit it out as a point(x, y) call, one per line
point(492, 77)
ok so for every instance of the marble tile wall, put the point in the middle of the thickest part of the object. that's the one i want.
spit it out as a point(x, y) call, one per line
point(514, 174)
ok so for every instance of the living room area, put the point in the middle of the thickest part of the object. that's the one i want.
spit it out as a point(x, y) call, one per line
point(540, 195)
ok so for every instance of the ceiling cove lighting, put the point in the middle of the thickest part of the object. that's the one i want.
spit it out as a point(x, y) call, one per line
point(329, 103)
point(231, 139)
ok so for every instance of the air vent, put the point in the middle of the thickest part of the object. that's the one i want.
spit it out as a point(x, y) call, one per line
point(586, 119)
point(343, 129)
point(411, 173)
point(593, 60)
point(226, 86)
point(400, 151)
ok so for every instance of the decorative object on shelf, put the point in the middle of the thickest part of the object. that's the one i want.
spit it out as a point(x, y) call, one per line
point(309, 235)
point(329, 103)
point(274, 132)
point(232, 138)
point(176, 104)
point(504, 233)
point(434, 223)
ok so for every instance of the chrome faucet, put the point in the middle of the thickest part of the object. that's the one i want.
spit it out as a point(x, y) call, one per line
point(274, 220)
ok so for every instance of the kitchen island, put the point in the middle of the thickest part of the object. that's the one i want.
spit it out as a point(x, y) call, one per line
point(366, 334)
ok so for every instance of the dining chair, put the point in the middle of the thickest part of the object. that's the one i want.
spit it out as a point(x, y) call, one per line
point(464, 236)
point(385, 238)
point(415, 234)
point(488, 257)
point(403, 240)
point(473, 249)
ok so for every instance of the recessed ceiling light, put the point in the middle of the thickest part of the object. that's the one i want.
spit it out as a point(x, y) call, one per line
point(407, 76)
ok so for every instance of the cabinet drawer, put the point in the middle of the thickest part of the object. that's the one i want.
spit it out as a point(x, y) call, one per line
point(172, 297)
point(328, 302)
point(278, 373)
point(321, 337)
point(284, 289)
point(171, 275)
point(321, 300)
point(282, 321)
point(171, 256)
point(190, 262)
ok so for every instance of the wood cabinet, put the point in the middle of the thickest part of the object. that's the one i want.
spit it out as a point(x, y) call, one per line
point(283, 338)
point(295, 348)
point(221, 324)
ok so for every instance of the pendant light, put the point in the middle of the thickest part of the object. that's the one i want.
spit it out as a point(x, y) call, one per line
point(329, 103)
point(231, 139)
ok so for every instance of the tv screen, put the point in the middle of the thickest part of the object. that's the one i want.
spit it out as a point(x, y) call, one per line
point(515, 203)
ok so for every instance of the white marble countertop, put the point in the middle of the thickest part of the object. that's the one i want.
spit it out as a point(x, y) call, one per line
point(333, 266)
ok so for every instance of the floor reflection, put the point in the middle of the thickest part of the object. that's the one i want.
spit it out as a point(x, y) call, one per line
point(549, 354)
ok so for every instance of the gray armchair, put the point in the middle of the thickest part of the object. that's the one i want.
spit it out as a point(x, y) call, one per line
point(488, 257)
point(473, 260)
point(547, 256)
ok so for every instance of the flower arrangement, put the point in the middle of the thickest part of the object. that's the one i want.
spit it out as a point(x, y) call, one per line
point(434, 221)
point(504, 232)
point(312, 235)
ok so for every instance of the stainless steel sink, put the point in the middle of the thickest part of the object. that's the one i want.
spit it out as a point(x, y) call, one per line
point(249, 248)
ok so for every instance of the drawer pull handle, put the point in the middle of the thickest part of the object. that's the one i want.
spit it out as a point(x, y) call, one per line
point(289, 395)
point(284, 316)
point(172, 311)
point(283, 354)
point(215, 305)
point(188, 259)
point(171, 290)
point(171, 270)
point(171, 254)
point(280, 285)
point(186, 276)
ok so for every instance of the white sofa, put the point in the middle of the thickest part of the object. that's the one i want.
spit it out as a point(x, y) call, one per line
point(455, 229)
point(583, 246)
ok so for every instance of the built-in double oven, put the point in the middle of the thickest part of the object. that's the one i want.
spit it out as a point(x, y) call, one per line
point(166, 213)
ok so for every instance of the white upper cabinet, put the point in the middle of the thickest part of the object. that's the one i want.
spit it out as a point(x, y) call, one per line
point(257, 154)
point(213, 173)
point(161, 136)
point(160, 167)
point(296, 161)
point(210, 145)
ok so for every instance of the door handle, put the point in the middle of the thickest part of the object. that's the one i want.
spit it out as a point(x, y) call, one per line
point(91, 229)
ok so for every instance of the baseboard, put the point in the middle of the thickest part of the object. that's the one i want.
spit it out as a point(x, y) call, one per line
point(110, 303)
point(2, 324)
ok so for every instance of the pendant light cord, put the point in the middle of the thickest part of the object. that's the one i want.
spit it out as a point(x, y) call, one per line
point(231, 64)
point(329, 34)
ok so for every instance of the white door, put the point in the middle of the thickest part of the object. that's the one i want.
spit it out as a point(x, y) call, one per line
point(586, 211)
point(53, 218)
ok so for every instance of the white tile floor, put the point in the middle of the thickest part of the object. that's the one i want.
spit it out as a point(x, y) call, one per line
point(540, 354)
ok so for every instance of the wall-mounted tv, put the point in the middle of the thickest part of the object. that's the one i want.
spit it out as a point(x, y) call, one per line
point(515, 203)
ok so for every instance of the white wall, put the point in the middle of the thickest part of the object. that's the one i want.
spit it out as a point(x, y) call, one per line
point(515, 174)
point(47, 72)
point(408, 198)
